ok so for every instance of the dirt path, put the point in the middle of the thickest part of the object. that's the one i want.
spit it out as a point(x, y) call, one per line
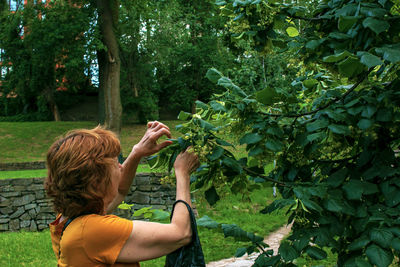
point(273, 240)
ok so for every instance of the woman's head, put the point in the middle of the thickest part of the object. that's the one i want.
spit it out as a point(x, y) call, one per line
point(80, 167)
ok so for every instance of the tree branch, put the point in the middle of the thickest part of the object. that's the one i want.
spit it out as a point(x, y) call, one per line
point(309, 19)
point(288, 115)
point(265, 177)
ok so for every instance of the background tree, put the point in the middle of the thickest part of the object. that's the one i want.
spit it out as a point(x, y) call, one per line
point(45, 48)
point(109, 63)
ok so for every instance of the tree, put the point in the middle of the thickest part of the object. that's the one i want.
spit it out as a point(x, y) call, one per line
point(334, 133)
point(44, 47)
point(109, 64)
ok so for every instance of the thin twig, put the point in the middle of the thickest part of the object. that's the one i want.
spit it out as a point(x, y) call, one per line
point(260, 247)
point(265, 177)
point(309, 19)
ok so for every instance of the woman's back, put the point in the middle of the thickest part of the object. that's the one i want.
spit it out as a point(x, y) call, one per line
point(90, 240)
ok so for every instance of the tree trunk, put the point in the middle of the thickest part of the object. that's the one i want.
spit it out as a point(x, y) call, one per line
point(52, 103)
point(110, 64)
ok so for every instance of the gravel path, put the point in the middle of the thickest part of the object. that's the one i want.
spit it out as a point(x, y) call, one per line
point(273, 240)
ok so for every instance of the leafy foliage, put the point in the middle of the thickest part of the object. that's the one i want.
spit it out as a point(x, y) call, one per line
point(44, 47)
point(334, 132)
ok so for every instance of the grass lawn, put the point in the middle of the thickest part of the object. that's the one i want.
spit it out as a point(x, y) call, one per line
point(43, 173)
point(29, 141)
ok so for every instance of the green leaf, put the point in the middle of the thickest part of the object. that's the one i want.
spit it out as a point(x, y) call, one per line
point(368, 111)
point(223, 143)
point(227, 83)
point(316, 136)
point(275, 131)
point(339, 36)
point(159, 215)
point(336, 57)
point(350, 67)
point(267, 96)
point(346, 22)
point(215, 105)
point(201, 105)
point(239, 234)
point(220, 2)
point(207, 222)
point(360, 262)
point(157, 161)
point(382, 237)
point(256, 151)
point(333, 205)
point(125, 206)
point(378, 256)
point(312, 205)
point(376, 25)
point(335, 115)
point(274, 145)
point(369, 188)
point(396, 244)
point(205, 125)
point(316, 253)
point(337, 177)
point(370, 60)
point(313, 44)
point(339, 129)
point(389, 54)
point(213, 74)
point(310, 83)
point(240, 252)
point(384, 115)
point(183, 116)
point(232, 164)
point(211, 195)
point(287, 252)
point(353, 189)
point(359, 243)
point(364, 124)
point(250, 138)
point(277, 204)
point(292, 31)
point(216, 153)
point(316, 125)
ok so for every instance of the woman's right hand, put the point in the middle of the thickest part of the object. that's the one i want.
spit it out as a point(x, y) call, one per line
point(186, 162)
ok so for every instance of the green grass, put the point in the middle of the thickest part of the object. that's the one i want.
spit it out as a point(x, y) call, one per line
point(23, 174)
point(26, 249)
point(43, 173)
point(29, 141)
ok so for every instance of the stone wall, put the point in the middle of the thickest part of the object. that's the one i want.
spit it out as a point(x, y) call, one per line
point(36, 165)
point(23, 202)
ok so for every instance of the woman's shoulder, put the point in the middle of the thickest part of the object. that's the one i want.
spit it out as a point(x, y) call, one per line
point(109, 218)
point(105, 224)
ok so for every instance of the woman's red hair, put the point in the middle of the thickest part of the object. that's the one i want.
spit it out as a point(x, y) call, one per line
point(79, 170)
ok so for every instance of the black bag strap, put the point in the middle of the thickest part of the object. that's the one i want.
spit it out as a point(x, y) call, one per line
point(192, 217)
point(62, 232)
point(190, 255)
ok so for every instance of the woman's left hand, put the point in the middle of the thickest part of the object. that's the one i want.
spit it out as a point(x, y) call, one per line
point(148, 144)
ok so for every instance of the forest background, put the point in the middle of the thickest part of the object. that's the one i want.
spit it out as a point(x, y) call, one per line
point(312, 85)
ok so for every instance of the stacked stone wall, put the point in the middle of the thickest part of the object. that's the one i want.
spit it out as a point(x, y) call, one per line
point(35, 165)
point(24, 205)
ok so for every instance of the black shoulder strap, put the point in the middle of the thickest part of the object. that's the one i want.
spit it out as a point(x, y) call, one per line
point(62, 232)
point(192, 216)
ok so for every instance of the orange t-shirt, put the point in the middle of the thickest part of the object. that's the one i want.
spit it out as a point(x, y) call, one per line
point(91, 240)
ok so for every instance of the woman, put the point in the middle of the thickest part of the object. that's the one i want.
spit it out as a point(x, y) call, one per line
point(86, 182)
